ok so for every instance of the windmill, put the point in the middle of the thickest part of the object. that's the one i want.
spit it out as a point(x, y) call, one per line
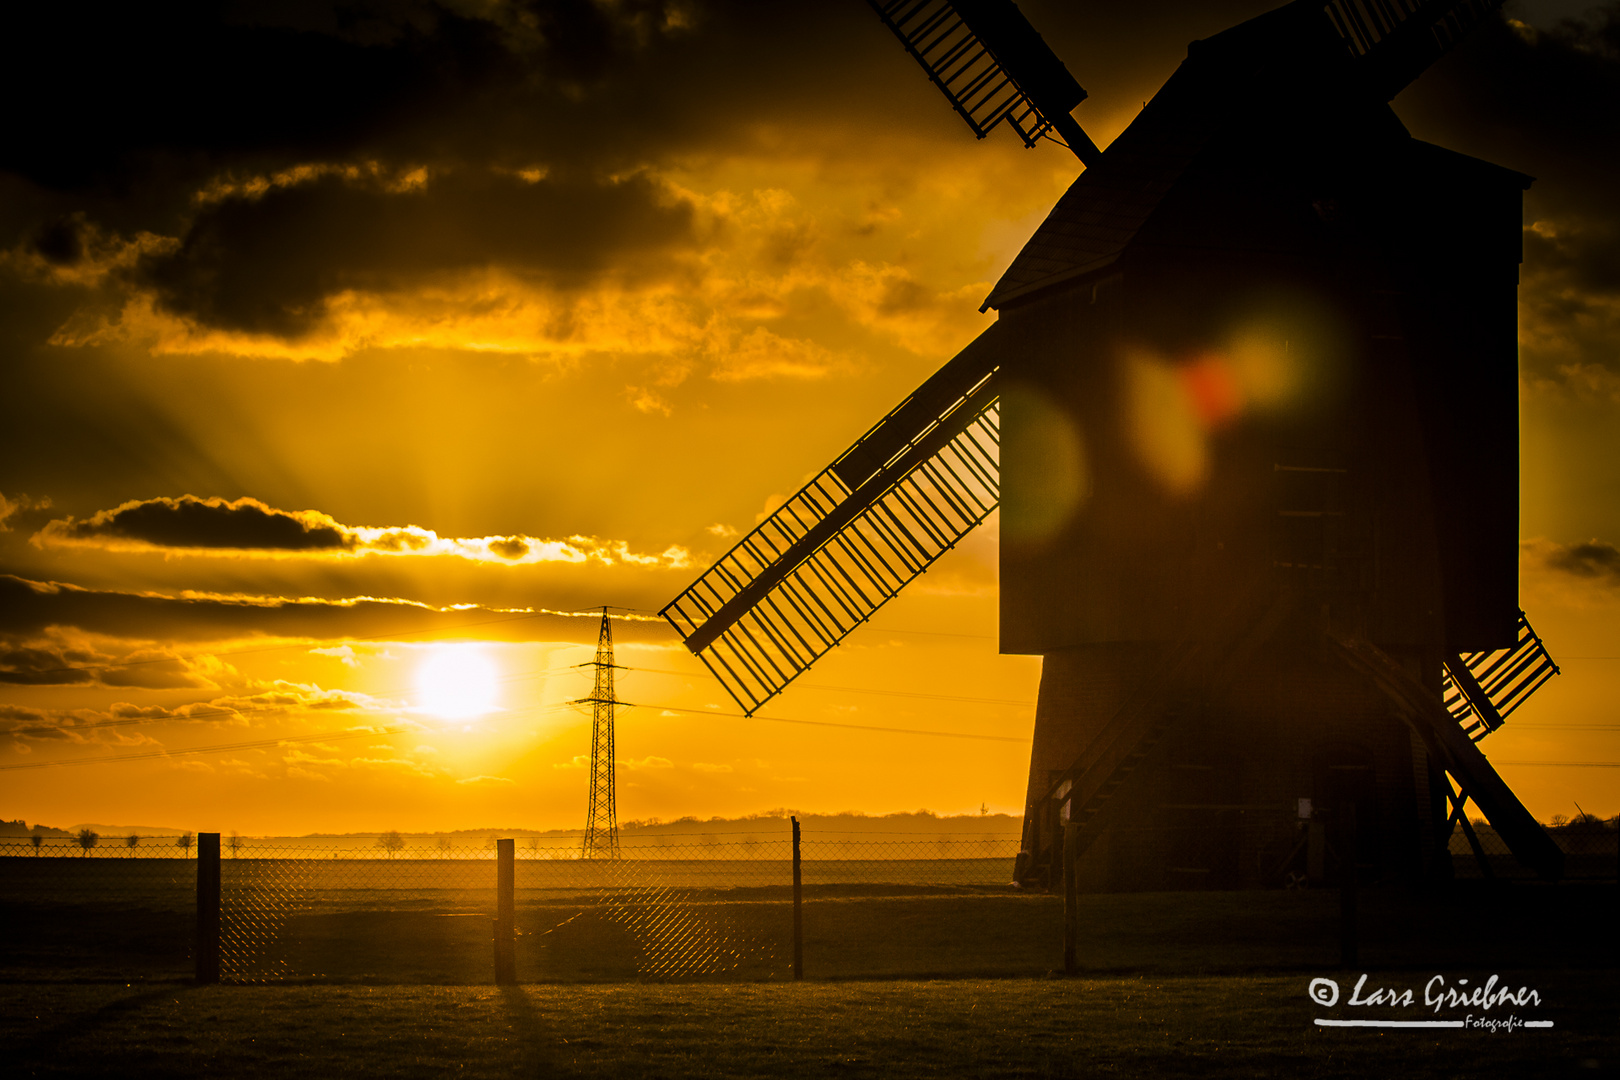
point(1252, 390)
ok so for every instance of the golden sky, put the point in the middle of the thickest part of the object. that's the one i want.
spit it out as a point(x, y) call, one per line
point(345, 344)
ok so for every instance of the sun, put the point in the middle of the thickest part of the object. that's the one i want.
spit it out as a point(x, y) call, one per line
point(456, 682)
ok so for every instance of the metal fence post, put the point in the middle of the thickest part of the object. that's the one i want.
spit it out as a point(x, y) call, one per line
point(1071, 899)
point(207, 946)
point(505, 913)
point(798, 908)
point(1347, 886)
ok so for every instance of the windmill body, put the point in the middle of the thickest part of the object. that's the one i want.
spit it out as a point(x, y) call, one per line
point(1266, 345)
point(1250, 413)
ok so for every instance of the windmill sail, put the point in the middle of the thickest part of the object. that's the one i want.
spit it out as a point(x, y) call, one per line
point(1396, 40)
point(1482, 689)
point(992, 66)
point(832, 555)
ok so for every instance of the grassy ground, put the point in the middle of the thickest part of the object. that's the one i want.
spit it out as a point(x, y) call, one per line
point(1224, 1026)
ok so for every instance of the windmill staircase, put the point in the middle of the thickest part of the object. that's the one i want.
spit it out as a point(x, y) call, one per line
point(1137, 739)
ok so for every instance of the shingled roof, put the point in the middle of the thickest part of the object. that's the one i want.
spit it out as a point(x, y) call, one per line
point(1213, 89)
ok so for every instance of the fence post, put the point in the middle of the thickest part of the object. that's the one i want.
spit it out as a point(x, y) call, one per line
point(505, 913)
point(1071, 899)
point(207, 946)
point(798, 908)
point(1347, 885)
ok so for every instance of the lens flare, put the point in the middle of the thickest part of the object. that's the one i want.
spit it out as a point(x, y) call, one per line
point(1164, 424)
point(1041, 444)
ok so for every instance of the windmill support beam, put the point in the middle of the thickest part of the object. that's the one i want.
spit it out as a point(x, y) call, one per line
point(1459, 802)
point(1458, 755)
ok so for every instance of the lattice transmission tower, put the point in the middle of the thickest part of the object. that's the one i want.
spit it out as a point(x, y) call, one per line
point(602, 820)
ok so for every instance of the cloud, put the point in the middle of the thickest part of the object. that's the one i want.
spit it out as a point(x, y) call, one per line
point(249, 527)
point(648, 762)
point(1593, 560)
point(9, 508)
point(271, 261)
point(189, 522)
point(484, 780)
point(29, 608)
point(1547, 100)
point(61, 659)
point(706, 767)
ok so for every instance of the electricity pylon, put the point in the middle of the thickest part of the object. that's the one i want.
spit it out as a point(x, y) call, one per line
point(602, 820)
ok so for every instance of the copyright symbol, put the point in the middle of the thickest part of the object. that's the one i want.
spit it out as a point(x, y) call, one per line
point(1325, 992)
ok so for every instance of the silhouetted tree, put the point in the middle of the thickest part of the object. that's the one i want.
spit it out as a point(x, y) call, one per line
point(391, 842)
point(36, 838)
point(235, 843)
point(132, 841)
point(87, 839)
point(183, 842)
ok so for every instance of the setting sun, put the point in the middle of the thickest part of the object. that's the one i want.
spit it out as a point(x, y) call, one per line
point(456, 682)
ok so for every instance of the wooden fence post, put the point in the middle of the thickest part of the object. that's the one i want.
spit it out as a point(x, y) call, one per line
point(798, 908)
point(1347, 885)
point(1071, 899)
point(207, 946)
point(505, 913)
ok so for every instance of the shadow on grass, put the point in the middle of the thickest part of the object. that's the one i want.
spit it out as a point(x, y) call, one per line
point(535, 1037)
point(81, 1026)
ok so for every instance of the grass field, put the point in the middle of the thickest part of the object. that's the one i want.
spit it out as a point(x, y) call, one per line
point(388, 976)
point(1216, 1026)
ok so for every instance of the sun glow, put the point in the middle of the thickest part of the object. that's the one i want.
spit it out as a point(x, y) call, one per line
point(456, 682)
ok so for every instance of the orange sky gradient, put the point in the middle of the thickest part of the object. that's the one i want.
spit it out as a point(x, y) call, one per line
point(290, 414)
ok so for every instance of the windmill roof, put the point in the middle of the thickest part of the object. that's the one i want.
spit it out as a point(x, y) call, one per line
point(1095, 220)
point(1224, 78)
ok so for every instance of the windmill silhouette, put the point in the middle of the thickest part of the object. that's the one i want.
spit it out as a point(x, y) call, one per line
point(1252, 392)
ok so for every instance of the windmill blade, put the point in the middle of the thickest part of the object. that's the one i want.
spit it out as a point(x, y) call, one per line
point(1482, 689)
point(907, 492)
point(992, 66)
point(1395, 41)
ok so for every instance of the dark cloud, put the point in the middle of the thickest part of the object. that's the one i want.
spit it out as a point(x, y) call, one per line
point(1594, 559)
point(117, 91)
point(29, 608)
point(25, 662)
point(48, 666)
point(190, 522)
point(267, 263)
point(510, 547)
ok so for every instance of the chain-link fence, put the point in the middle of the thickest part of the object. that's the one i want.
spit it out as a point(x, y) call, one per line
point(393, 909)
point(1591, 850)
point(97, 907)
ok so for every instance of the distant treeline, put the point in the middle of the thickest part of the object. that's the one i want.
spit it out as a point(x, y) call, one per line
point(20, 828)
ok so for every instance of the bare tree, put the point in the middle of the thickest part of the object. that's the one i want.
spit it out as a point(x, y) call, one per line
point(36, 838)
point(183, 842)
point(132, 841)
point(88, 839)
point(235, 843)
point(391, 842)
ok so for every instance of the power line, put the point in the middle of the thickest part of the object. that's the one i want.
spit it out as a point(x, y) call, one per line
point(858, 689)
point(830, 723)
